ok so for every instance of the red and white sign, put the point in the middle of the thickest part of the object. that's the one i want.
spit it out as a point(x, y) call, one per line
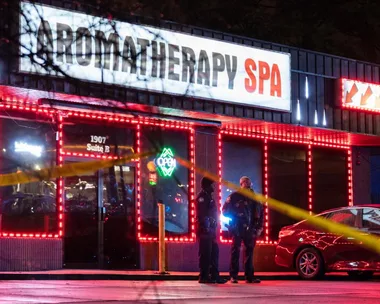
point(95, 49)
point(360, 95)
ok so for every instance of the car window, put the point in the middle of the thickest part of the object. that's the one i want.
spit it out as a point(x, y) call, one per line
point(345, 217)
point(371, 218)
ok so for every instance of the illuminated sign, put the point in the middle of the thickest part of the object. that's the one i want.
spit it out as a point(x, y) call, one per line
point(360, 95)
point(97, 144)
point(123, 169)
point(22, 147)
point(152, 178)
point(142, 57)
point(166, 162)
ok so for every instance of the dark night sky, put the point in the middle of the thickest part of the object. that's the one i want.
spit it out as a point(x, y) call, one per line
point(344, 28)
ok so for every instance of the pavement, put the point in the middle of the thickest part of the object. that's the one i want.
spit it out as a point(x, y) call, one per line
point(139, 275)
point(170, 292)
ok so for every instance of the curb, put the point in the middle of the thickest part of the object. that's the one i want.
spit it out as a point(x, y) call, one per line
point(130, 277)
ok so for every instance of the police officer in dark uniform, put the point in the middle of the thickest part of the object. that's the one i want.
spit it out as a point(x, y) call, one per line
point(207, 223)
point(246, 224)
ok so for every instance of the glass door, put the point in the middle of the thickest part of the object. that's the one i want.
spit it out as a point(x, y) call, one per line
point(100, 227)
point(81, 228)
point(119, 234)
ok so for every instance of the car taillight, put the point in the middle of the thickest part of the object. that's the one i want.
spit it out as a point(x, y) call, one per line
point(285, 233)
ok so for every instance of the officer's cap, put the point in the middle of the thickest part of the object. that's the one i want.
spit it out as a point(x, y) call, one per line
point(206, 182)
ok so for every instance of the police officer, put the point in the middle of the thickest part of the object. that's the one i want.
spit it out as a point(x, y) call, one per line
point(245, 226)
point(207, 217)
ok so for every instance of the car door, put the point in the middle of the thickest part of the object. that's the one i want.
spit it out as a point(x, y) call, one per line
point(370, 224)
point(341, 252)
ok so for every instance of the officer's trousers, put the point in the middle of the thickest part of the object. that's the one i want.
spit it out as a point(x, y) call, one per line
point(249, 244)
point(208, 257)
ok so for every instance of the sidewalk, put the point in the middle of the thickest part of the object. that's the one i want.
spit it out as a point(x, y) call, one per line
point(133, 275)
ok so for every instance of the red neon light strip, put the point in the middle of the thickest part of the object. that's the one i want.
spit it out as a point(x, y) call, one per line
point(150, 121)
point(333, 143)
point(266, 191)
point(26, 108)
point(191, 187)
point(310, 179)
point(349, 174)
point(60, 180)
point(266, 210)
point(220, 186)
point(48, 113)
point(114, 118)
point(60, 153)
point(267, 138)
point(64, 153)
point(138, 211)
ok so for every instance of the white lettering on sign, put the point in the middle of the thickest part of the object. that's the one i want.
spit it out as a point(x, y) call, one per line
point(142, 57)
point(360, 95)
point(162, 162)
point(166, 162)
point(28, 148)
point(98, 139)
point(96, 144)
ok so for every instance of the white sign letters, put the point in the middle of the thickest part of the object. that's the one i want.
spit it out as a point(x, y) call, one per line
point(142, 57)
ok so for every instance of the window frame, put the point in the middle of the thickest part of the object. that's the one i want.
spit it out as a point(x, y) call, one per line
point(20, 113)
point(267, 138)
point(357, 216)
point(190, 235)
point(362, 219)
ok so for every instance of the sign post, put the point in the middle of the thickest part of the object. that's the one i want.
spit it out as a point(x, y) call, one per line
point(161, 239)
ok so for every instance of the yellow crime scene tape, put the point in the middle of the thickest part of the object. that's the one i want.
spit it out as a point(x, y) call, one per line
point(78, 168)
point(72, 169)
point(369, 241)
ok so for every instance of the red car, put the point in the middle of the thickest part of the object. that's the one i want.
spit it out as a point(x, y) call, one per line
point(313, 252)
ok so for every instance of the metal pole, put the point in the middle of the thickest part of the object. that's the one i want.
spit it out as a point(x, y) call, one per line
point(161, 239)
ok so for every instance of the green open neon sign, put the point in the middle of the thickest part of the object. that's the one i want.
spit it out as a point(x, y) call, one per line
point(166, 162)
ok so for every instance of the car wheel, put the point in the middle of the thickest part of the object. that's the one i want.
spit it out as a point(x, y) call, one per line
point(309, 264)
point(363, 275)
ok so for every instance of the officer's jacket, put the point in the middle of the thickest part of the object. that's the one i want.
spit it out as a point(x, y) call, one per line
point(246, 214)
point(206, 215)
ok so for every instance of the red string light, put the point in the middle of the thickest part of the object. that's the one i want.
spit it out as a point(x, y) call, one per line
point(88, 155)
point(138, 211)
point(191, 197)
point(120, 119)
point(49, 115)
point(266, 191)
point(220, 185)
point(192, 186)
point(349, 177)
point(60, 179)
point(277, 137)
point(310, 179)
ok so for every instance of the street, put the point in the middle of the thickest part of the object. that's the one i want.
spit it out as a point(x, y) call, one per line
point(91, 292)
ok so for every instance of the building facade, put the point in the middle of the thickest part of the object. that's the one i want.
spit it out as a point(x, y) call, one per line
point(303, 125)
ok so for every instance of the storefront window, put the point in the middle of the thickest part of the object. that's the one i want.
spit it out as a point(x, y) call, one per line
point(240, 157)
point(330, 183)
point(89, 137)
point(162, 178)
point(287, 182)
point(27, 145)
